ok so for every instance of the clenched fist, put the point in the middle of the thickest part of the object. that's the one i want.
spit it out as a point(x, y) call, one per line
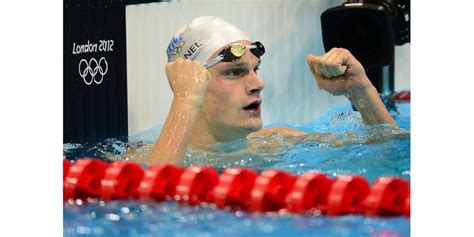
point(188, 79)
point(338, 72)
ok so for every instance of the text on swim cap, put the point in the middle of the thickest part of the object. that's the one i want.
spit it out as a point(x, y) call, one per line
point(192, 49)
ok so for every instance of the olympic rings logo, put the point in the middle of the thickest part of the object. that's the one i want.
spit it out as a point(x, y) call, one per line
point(93, 67)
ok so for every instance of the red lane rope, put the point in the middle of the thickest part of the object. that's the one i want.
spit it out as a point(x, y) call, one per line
point(121, 180)
point(83, 179)
point(159, 182)
point(309, 192)
point(234, 188)
point(270, 190)
point(237, 188)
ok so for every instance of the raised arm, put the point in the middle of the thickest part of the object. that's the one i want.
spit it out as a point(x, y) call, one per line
point(188, 81)
point(339, 73)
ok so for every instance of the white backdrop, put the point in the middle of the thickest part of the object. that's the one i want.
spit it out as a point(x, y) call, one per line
point(288, 29)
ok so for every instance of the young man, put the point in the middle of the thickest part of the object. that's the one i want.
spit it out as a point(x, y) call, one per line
point(212, 71)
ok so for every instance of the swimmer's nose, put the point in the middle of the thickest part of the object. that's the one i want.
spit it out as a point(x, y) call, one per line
point(254, 84)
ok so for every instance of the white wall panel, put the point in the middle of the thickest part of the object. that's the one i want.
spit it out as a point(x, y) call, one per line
point(402, 67)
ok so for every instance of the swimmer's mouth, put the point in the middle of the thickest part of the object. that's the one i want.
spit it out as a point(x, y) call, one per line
point(253, 106)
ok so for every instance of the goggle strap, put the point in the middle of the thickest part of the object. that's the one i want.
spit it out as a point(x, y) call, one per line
point(214, 61)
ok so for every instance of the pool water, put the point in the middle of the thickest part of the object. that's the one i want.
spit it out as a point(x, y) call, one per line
point(346, 146)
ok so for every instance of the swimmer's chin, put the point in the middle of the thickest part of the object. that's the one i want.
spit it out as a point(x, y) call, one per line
point(243, 130)
point(255, 128)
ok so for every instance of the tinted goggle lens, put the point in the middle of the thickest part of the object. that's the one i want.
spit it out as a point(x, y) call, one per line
point(259, 49)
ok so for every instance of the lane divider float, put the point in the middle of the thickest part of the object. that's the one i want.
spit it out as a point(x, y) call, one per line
point(237, 188)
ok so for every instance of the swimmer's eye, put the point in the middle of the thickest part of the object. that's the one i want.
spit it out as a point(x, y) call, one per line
point(238, 72)
point(235, 72)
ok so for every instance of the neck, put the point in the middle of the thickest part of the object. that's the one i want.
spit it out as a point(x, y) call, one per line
point(205, 134)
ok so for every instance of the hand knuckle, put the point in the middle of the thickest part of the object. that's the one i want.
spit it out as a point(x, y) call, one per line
point(345, 51)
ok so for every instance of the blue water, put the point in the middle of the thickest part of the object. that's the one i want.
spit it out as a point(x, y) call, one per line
point(126, 218)
point(347, 147)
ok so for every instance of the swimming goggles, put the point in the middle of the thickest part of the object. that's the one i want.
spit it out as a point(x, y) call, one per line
point(234, 52)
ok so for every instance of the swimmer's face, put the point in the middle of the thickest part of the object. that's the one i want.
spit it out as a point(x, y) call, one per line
point(233, 102)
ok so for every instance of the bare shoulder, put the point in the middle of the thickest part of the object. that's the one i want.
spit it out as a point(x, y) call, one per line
point(280, 130)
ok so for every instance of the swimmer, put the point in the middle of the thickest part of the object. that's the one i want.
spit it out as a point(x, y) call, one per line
point(212, 70)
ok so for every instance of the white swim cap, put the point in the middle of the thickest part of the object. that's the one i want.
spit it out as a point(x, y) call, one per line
point(201, 37)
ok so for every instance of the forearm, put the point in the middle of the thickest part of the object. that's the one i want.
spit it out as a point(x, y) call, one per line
point(176, 132)
point(370, 106)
